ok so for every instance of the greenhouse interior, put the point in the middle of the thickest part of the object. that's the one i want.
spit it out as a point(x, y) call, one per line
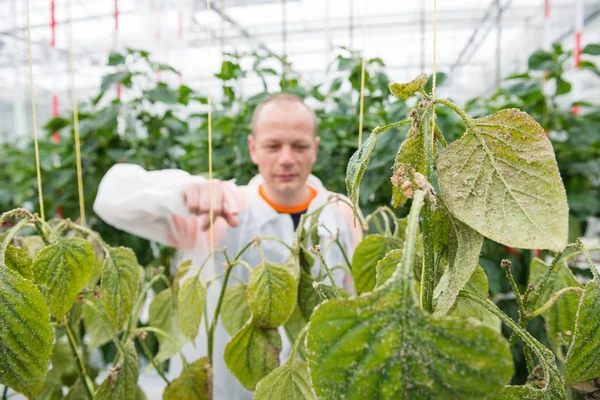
point(300, 199)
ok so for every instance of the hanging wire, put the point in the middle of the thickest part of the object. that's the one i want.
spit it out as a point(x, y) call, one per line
point(33, 117)
point(432, 132)
point(362, 85)
point(76, 120)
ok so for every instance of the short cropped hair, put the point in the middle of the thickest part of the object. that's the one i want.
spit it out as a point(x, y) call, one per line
point(280, 99)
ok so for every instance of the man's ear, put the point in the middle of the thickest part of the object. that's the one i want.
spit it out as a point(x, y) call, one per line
point(316, 152)
point(252, 148)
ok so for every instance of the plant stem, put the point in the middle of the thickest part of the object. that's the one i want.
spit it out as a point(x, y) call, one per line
point(589, 259)
point(5, 393)
point(215, 320)
point(317, 286)
point(301, 334)
point(381, 129)
point(440, 136)
point(80, 365)
point(277, 240)
point(138, 305)
point(428, 273)
point(538, 289)
point(554, 299)
point(17, 213)
point(336, 291)
point(154, 363)
point(468, 120)
point(337, 241)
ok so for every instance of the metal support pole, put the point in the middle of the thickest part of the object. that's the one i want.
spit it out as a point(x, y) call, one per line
point(423, 35)
point(498, 44)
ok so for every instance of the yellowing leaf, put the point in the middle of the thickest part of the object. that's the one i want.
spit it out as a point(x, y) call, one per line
point(163, 314)
point(191, 299)
point(120, 276)
point(462, 253)
point(62, 269)
point(583, 360)
point(501, 179)
point(235, 312)
point(271, 294)
point(25, 334)
point(406, 90)
point(291, 381)
point(366, 256)
point(122, 382)
point(192, 384)
point(253, 353)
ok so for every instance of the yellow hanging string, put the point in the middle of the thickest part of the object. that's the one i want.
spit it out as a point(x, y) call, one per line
point(362, 87)
point(432, 133)
point(34, 119)
point(210, 166)
point(76, 121)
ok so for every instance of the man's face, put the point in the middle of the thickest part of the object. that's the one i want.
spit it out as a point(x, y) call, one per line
point(284, 146)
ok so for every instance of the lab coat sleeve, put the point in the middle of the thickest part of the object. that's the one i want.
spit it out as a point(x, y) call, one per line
point(148, 204)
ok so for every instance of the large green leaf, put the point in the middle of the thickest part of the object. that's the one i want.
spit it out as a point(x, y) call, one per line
point(95, 329)
point(501, 179)
point(560, 318)
point(253, 353)
point(121, 382)
point(119, 284)
point(406, 90)
point(26, 336)
point(290, 381)
point(383, 346)
point(462, 249)
point(191, 299)
point(62, 269)
point(387, 266)
point(368, 253)
point(235, 312)
point(583, 360)
point(163, 314)
point(192, 384)
point(271, 294)
point(18, 260)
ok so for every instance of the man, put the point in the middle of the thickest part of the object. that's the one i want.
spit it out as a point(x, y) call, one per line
point(172, 207)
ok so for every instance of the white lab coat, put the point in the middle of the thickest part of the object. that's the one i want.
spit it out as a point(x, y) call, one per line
point(148, 204)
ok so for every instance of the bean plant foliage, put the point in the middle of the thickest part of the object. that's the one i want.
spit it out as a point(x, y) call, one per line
point(420, 326)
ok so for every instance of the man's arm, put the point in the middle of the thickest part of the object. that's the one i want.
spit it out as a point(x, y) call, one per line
point(161, 205)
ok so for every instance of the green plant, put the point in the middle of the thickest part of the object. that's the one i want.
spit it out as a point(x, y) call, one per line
point(421, 327)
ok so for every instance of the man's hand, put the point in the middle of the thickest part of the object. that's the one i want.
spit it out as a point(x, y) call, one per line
point(197, 199)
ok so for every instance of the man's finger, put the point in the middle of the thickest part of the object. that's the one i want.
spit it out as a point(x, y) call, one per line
point(191, 198)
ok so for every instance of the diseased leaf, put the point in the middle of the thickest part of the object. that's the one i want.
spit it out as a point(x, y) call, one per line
point(253, 353)
point(235, 312)
point(524, 392)
point(501, 179)
point(26, 336)
point(387, 266)
point(191, 299)
point(462, 253)
point(308, 298)
point(406, 90)
point(163, 314)
point(192, 384)
point(381, 345)
point(467, 309)
point(357, 165)
point(122, 382)
point(62, 269)
point(290, 381)
point(18, 260)
point(271, 294)
point(119, 284)
point(410, 159)
point(560, 318)
point(368, 253)
point(583, 360)
point(94, 327)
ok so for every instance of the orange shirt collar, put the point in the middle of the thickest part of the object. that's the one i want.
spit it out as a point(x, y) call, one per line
point(289, 209)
